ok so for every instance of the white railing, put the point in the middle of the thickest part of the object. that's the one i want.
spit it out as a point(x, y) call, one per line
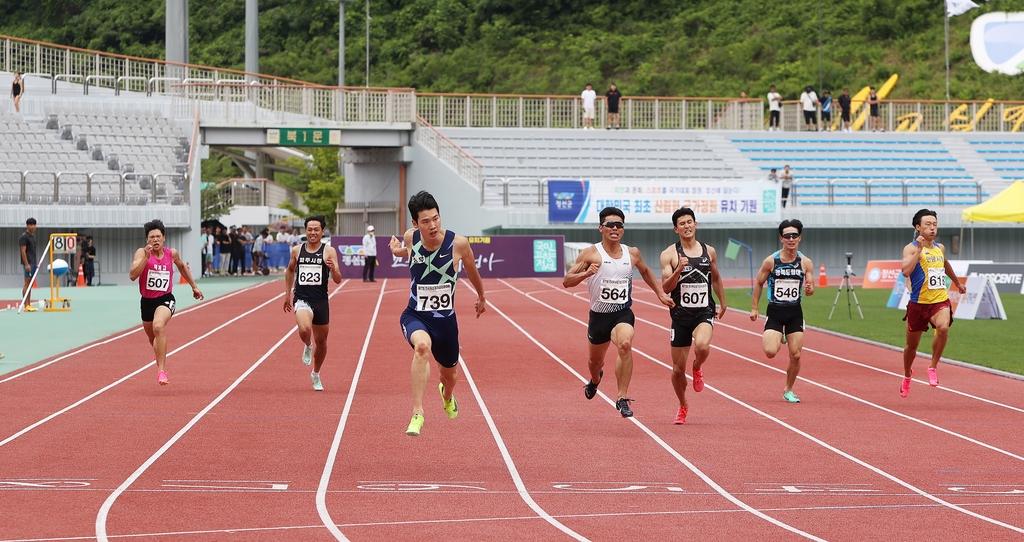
point(450, 153)
point(36, 187)
point(112, 71)
point(510, 111)
point(239, 102)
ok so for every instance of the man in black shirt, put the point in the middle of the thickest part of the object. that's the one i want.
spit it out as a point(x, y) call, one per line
point(613, 96)
point(224, 244)
point(27, 246)
point(88, 257)
point(237, 250)
point(844, 109)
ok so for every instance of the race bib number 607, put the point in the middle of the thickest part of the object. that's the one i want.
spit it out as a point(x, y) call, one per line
point(693, 295)
point(434, 297)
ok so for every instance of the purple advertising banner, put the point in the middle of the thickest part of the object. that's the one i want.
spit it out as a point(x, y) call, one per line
point(497, 256)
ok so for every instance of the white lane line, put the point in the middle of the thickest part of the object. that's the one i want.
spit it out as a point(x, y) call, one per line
point(332, 456)
point(121, 336)
point(509, 463)
point(101, 517)
point(820, 442)
point(693, 468)
point(855, 363)
point(141, 369)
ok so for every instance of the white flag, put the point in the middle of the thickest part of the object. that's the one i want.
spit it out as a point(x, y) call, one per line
point(959, 7)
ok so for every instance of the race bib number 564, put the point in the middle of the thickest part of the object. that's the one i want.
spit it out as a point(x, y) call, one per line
point(615, 290)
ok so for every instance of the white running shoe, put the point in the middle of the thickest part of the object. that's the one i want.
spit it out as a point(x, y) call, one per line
point(317, 385)
point(307, 355)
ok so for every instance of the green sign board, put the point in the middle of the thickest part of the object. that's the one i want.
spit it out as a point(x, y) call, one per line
point(303, 137)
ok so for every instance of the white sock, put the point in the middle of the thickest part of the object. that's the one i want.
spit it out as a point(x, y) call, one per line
point(314, 373)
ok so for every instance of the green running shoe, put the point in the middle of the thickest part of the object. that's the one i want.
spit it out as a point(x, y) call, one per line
point(450, 407)
point(414, 426)
point(791, 397)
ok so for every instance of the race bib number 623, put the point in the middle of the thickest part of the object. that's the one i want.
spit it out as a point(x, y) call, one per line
point(310, 274)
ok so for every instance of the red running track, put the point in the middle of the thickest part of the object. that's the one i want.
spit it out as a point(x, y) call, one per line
point(239, 447)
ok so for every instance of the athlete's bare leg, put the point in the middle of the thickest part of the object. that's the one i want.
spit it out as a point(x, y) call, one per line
point(679, 356)
point(771, 341)
point(304, 321)
point(595, 360)
point(796, 345)
point(940, 321)
point(157, 337)
point(910, 352)
point(420, 372)
point(622, 338)
point(449, 377)
point(319, 345)
point(701, 344)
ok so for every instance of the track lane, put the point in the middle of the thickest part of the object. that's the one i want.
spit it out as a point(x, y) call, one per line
point(744, 378)
point(104, 439)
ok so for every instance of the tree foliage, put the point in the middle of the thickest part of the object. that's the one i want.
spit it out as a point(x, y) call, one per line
point(319, 184)
point(647, 47)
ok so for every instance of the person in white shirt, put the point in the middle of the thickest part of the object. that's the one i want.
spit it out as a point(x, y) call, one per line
point(774, 109)
point(809, 102)
point(370, 253)
point(588, 97)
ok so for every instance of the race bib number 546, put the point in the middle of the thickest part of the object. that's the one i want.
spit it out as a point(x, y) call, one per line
point(786, 290)
point(434, 297)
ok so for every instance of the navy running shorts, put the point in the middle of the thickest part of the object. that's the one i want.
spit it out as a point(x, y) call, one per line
point(443, 332)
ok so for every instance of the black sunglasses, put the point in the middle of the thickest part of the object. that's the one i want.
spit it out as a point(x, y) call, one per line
point(614, 224)
point(790, 235)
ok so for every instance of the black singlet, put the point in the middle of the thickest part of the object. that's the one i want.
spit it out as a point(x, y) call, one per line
point(311, 275)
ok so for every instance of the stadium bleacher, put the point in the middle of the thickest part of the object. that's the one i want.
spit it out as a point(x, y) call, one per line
point(1006, 156)
point(83, 155)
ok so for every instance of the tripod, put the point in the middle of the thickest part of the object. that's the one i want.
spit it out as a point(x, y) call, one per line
point(848, 284)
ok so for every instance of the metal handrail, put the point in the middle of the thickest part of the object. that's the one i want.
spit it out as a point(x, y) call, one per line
point(64, 77)
point(117, 85)
point(151, 84)
point(447, 151)
point(89, 78)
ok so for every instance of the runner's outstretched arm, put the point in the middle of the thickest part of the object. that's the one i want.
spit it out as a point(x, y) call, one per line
point(465, 252)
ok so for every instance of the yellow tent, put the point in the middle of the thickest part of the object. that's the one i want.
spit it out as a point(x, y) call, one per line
point(1006, 206)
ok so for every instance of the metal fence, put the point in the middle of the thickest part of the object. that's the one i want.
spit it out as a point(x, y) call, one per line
point(921, 116)
point(450, 153)
point(93, 68)
point(508, 111)
point(94, 188)
point(239, 102)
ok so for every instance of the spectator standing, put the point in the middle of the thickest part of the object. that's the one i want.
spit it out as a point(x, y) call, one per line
point(773, 176)
point(774, 109)
point(247, 245)
point(826, 111)
point(89, 260)
point(588, 97)
point(237, 250)
point(845, 109)
point(787, 181)
point(876, 117)
point(224, 244)
point(809, 103)
point(370, 250)
point(208, 252)
point(613, 96)
point(27, 246)
point(17, 91)
point(204, 238)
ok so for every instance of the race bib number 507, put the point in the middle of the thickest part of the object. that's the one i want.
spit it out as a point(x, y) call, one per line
point(158, 281)
point(434, 297)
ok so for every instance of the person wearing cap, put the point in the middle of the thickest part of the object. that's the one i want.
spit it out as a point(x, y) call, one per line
point(809, 102)
point(370, 252)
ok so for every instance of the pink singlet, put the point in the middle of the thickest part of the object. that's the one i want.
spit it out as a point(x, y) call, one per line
point(157, 277)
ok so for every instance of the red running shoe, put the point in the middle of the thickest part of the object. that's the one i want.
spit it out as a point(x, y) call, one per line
point(933, 377)
point(161, 377)
point(681, 416)
point(698, 379)
point(905, 386)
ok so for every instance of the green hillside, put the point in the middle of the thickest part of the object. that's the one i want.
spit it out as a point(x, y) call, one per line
point(652, 47)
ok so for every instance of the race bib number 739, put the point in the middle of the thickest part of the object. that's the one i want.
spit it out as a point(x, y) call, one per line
point(434, 297)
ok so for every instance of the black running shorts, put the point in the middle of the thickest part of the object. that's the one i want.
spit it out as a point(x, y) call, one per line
point(599, 330)
point(321, 310)
point(682, 328)
point(150, 304)
point(785, 319)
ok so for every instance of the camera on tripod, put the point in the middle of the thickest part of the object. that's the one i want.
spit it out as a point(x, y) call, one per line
point(847, 285)
point(849, 264)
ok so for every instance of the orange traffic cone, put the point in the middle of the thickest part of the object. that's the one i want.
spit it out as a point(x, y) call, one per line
point(81, 276)
point(822, 279)
point(182, 279)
